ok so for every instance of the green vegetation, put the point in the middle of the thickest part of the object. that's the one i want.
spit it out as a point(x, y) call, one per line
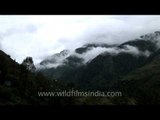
point(137, 77)
point(19, 86)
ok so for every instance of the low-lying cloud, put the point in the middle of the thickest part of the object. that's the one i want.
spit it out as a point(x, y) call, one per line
point(94, 52)
point(55, 61)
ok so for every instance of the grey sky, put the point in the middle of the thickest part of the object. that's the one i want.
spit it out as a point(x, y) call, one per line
point(40, 36)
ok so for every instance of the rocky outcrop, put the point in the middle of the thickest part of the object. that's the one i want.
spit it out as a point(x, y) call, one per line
point(151, 36)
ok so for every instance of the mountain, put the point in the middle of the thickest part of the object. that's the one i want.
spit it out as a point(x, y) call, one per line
point(143, 84)
point(20, 86)
point(141, 44)
point(146, 43)
point(151, 36)
point(69, 58)
point(89, 46)
point(132, 67)
point(109, 64)
point(55, 60)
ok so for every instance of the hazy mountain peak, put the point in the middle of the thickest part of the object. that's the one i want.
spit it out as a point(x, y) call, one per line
point(54, 60)
point(64, 52)
point(151, 36)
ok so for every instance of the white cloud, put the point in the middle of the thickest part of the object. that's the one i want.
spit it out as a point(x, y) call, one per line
point(131, 49)
point(94, 52)
point(40, 36)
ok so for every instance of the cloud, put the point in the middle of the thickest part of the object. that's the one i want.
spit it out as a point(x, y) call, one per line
point(55, 61)
point(94, 52)
point(41, 36)
point(134, 51)
point(49, 65)
point(18, 42)
point(19, 30)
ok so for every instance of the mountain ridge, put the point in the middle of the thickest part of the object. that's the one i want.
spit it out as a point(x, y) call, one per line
point(135, 51)
point(146, 42)
point(124, 67)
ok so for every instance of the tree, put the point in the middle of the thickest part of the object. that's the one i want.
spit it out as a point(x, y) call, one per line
point(29, 64)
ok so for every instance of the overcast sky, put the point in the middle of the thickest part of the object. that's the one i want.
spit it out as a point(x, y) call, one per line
point(41, 36)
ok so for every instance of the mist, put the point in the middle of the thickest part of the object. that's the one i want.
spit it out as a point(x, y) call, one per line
point(94, 52)
point(41, 36)
point(56, 61)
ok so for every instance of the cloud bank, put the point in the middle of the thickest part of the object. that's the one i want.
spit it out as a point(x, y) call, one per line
point(41, 36)
point(94, 52)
